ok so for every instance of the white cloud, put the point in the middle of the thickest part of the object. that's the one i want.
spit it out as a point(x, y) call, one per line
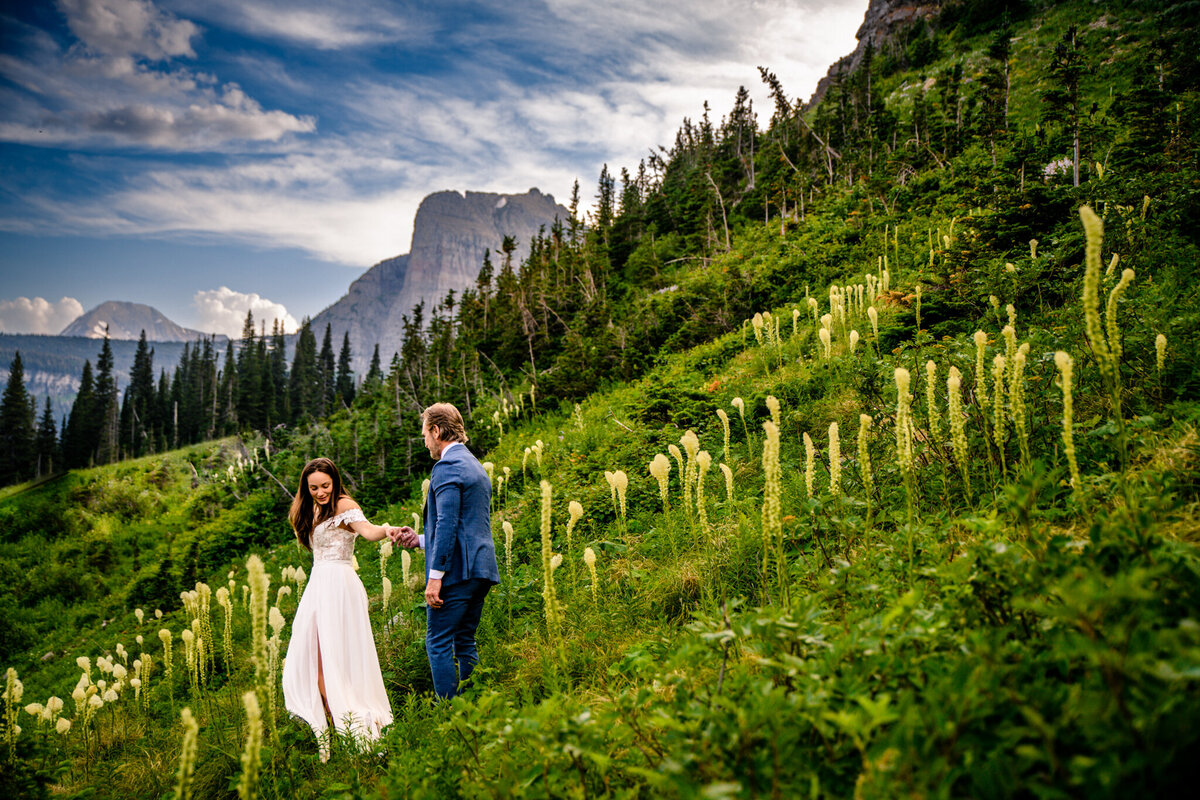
point(224, 311)
point(38, 315)
point(120, 85)
point(316, 23)
point(129, 27)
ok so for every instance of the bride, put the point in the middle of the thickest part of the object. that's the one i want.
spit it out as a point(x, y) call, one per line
point(331, 674)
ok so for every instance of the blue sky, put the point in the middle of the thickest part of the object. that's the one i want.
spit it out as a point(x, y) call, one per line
point(212, 156)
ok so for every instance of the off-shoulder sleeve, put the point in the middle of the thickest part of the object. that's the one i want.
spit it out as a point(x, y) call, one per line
point(348, 517)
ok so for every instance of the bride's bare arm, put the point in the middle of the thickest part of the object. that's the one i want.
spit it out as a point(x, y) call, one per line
point(364, 529)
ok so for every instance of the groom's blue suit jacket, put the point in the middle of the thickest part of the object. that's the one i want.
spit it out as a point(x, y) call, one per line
point(458, 528)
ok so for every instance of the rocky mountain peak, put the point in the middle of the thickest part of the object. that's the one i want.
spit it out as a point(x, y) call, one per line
point(883, 20)
point(451, 232)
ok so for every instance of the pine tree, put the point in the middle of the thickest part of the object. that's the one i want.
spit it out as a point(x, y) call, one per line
point(164, 421)
point(80, 433)
point(251, 404)
point(108, 407)
point(374, 378)
point(226, 418)
point(137, 431)
point(46, 443)
point(16, 428)
point(345, 377)
point(279, 375)
point(304, 382)
point(327, 376)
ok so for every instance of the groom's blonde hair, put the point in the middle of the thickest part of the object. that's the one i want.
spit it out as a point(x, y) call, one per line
point(448, 421)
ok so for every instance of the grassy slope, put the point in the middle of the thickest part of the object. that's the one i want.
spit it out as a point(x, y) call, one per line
point(1020, 639)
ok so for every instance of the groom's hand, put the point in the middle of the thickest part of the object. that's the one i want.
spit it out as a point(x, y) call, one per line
point(406, 537)
point(433, 591)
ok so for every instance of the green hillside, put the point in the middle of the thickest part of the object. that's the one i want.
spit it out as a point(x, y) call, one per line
point(930, 522)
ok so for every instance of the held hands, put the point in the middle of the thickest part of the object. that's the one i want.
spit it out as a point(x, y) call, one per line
point(404, 536)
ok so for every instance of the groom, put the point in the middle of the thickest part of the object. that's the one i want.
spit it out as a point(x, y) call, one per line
point(460, 558)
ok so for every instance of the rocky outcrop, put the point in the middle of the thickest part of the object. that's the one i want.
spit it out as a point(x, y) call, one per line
point(884, 18)
point(451, 233)
point(127, 321)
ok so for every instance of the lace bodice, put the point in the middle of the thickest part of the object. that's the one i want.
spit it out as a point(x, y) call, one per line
point(331, 541)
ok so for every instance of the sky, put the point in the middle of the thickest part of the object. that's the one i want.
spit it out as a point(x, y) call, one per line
point(207, 157)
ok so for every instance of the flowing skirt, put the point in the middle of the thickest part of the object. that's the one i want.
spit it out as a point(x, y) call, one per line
point(332, 624)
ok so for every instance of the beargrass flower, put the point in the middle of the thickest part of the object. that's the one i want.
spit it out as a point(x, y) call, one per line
point(864, 455)
point(165, 636)
point(957, 425)
point(1160, 353)
point(904, 449)
point(1111, 327)
point(728, 473)
point(1094, 230)
point(873, 315)
point(548, 594)
point(772, 518)
point(703, 464)
point(678, 456)
point(508, 541)
point(980, 374)
point(1016, 400)
point(63, 726)
point(691, 446)
point(931, 399)
point(589, 559)
point(724, 429)
point(252, 754)
point(259, 586)
point(998, 404)
point(575, 513)
point(740, 405)
point(137, 612)
point(1010, 348)
point(621, 483)
point(853, 340)
point(835, 461)
point(826, 344)
point(773, 408)
point(1066, 367)
point(810, 457)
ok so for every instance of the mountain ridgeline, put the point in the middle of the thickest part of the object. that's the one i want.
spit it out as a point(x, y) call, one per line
point(124, 320)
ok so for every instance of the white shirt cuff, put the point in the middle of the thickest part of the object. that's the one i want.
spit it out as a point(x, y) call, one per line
point(436, 574)
point(421, 540)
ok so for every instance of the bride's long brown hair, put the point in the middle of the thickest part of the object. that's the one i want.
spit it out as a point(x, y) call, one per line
point(301, 514)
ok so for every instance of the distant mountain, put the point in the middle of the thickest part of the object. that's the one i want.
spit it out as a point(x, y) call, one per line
point(451, 233)
point(127, 321)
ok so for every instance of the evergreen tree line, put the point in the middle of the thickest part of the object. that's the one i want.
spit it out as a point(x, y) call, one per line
point(248, 387)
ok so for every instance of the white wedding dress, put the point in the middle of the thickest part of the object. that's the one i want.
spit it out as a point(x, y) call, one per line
point(331, 624)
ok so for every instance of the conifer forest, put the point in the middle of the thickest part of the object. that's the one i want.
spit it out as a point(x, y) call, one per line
point(844, 449)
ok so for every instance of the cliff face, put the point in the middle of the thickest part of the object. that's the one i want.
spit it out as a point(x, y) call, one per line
point(884, 18)
point(451, 233)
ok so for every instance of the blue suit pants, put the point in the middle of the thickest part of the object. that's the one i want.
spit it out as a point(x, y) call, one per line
point(450, 634)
